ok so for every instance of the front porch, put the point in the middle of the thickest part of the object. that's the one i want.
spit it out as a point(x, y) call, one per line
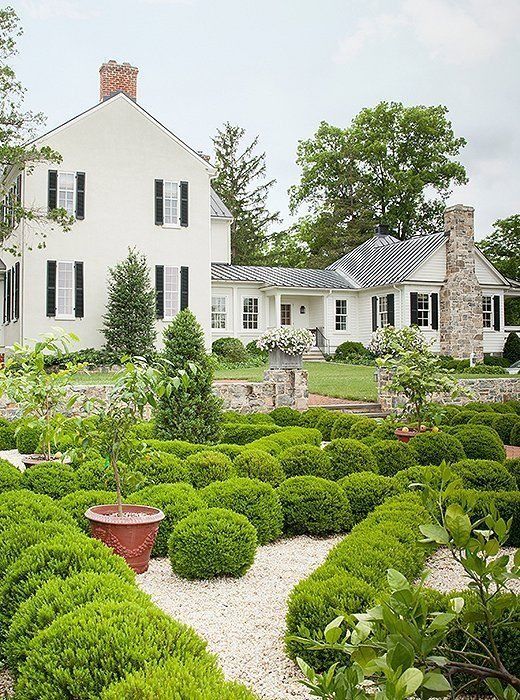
point(300, 311)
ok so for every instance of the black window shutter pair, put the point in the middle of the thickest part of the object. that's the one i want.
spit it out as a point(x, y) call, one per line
point(496, 313)
point(79, 287)
point(434, 303)
point(52, 193)
point(159, 289)
point(159, 203)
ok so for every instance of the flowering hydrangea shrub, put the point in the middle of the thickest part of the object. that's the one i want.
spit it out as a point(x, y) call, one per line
point(392, 341)
point(293, 341)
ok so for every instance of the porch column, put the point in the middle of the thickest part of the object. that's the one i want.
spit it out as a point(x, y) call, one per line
point(278, 309)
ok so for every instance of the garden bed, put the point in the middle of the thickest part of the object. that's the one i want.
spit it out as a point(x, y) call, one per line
point(243, 619)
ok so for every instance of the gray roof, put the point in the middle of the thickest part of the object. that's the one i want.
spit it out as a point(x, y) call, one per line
point(280, 276)
point(386, 260)
point(218, 208)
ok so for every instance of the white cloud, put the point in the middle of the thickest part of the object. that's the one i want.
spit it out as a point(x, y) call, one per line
point(452, 31)
point(52, 9)
point(167, 2)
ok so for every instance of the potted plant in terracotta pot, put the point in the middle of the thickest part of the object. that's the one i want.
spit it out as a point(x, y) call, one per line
point(130, 530)
point(286, 346)
point(415, 374)
point(41, 392)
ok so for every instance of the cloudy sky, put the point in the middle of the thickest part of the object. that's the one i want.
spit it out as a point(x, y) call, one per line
point(279, 67)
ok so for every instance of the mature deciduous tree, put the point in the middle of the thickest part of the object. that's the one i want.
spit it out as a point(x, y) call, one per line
point(502, 247)
point(241, 182)
point(393, 164)
point(17, 127)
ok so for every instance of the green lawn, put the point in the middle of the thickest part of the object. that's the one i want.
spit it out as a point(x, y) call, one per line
point(327, 378)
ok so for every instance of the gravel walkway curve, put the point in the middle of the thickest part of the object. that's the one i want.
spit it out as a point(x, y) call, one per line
point(243, 620)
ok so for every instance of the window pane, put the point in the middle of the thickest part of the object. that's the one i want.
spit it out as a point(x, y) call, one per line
point(171, 197)
point(341, 315)
point(423, 310)
point(250, 313)
point(64, 289)
point(66, 184)
point(218, 312)
point(171, 291)
point(487, 312)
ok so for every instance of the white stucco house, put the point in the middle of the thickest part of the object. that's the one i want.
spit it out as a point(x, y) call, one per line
point(129, 181)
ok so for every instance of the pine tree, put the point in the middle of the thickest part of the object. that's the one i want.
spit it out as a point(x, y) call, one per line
point(512, 348)
point(129, 323)
point(241, 184)
point(192, 414)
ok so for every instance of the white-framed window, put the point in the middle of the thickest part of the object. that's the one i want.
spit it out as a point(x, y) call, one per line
point(250, 313)
point(382, 311)
point(219, 312)
point(64, 290)
point(171, 203)
point(487, 312)
point(341, 315)
point(67, 192)
point(171, 292)
point(423, 310)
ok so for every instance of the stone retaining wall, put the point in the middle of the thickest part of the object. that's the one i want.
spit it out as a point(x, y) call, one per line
point(281, 387)
point(488, 390)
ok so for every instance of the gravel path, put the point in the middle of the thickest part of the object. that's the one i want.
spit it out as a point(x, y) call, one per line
point(243, 620)
point(447, 575)
point(14, 457)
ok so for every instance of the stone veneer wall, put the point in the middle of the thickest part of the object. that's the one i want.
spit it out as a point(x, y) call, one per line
point(460, 313)
point(488, 390)
point(281, 387)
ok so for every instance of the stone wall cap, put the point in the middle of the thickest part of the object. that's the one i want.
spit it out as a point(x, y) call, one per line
point(459, 207)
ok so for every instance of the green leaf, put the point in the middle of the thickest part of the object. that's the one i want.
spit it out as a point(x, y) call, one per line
point(409, 681)
point(435, 533)
point(436, 682)
point(333, 630)
point(396, 580)
point(458, 524)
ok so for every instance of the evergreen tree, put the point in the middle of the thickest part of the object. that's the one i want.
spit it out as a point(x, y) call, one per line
point(502, 247)
point(241, 184)
point(129, 323)
point(512, 348)
point(193, 413)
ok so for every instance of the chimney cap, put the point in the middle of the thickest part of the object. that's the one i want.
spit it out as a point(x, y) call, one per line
point(382, 230)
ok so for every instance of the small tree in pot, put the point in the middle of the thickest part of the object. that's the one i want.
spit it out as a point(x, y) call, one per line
point(42, 394)
point(130, 530)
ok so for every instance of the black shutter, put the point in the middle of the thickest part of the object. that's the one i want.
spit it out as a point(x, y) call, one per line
point(159, 204)
point(79, 293)
point(159, 291)
point(374, 313)
point(413, 309)
point(390, 305)
point(435, 310)
point(4, 314)
point(52, 194)
point(51, 287)
point(496, 313)
point(184, 287)
point(19, 189)
point(80, 195)
point(184, 204)
point(9, 283)
point(16, 312)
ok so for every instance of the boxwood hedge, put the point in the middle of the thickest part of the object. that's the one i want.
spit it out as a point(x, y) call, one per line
point(434, 448)
point(10, 476)
point(484, 475)
point(51, 478)
point(205, 467)
point(258, 464)
point(7, 437)
point(304, 460)
point(342, 425)
point(480, 442)
point(392, 456)
point(212, 542)
point(77, 503)
point(25, 506)
point(348, 456)
point(365, 491)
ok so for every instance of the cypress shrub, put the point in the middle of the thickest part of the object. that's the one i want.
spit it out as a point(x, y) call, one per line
point(205, 467)
point(365, 491)
point(434, 448)
point(392, 456)
point(10, 476)
point(78, 502)
point(212, 542)
point(257, 464)
point(58, 597)
point(176, 502)
point(347, 456)
point(190, 680)
point(85, 651)
point(252, 498)
point(306, 460)
point(484, 475)
point(51, 478)
point(480, 442)
point(512, 348)
point(313, 506)
point(193, 413)
point(129, 322)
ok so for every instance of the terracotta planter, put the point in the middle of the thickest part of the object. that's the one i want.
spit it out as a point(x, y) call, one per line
point(404, 436)
point(131, 536)
point(33, 460)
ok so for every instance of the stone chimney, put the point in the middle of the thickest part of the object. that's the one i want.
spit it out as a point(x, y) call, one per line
point(460, 315)
point(117, 77)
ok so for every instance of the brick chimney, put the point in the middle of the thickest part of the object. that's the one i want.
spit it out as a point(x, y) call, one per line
point(117, 77)
point(461, 328)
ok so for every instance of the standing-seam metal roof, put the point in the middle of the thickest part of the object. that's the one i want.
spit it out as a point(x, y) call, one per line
point(218, 208)
point(280, 276)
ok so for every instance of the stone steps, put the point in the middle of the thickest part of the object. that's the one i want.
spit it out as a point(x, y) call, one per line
point(368, 410)
point(313, 355)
